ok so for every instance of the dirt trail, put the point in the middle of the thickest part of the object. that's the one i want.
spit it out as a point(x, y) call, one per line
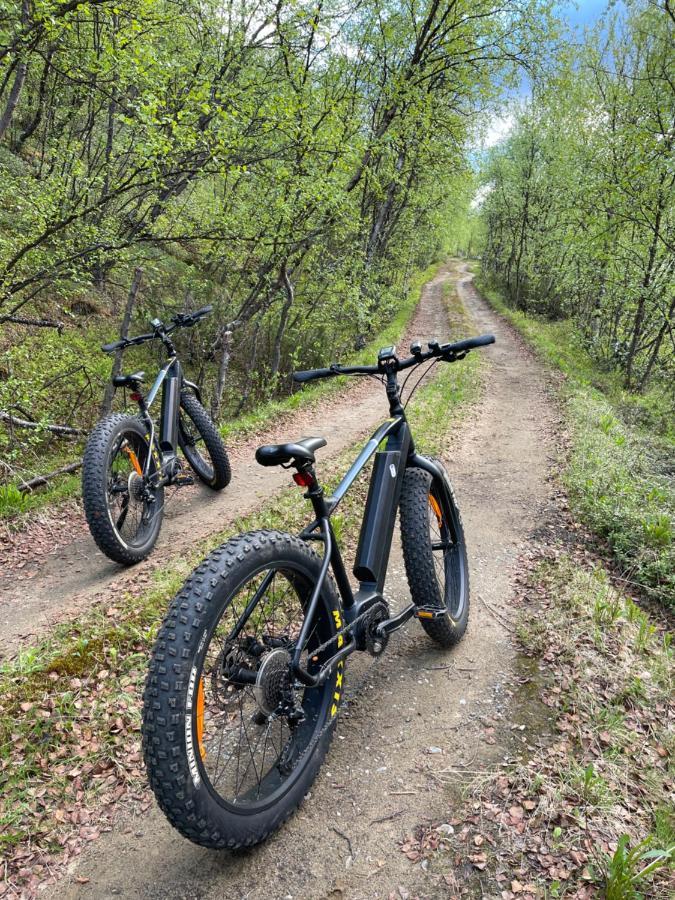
point(421, 719)
point(72, 574)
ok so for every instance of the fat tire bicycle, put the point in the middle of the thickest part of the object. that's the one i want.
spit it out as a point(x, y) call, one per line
point(129, 460)
point(247, 674)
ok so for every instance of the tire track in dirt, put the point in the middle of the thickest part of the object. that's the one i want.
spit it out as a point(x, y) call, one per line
point(74, 573)
point(420, 720)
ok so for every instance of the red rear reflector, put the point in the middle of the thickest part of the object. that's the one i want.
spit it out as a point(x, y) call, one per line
point(135, 396)
point(304, 479)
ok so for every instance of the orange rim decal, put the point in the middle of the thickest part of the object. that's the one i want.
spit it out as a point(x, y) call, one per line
point(200, 718)
point(134, 460)
point(433, 503)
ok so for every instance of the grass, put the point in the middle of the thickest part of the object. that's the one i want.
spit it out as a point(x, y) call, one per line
point(617, 690)
point(587, 814)
point(618, 472)
point(14, 505)
point(70, 707)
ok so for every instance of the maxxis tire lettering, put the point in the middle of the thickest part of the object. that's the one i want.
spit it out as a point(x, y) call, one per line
point(169, 733)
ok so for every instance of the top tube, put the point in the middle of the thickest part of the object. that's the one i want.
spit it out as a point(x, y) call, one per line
point(356, 467)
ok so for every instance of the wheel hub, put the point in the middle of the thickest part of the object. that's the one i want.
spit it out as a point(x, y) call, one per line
point(273, 681)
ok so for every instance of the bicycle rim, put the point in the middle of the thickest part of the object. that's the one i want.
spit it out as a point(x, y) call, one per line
point(249, 754)
point(193, 447)
point(447, 556)
point(129, 506)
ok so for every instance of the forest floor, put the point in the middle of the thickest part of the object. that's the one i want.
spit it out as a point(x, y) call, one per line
point(420, 714)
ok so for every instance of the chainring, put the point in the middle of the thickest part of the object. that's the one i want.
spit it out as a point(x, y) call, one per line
point(375, 643)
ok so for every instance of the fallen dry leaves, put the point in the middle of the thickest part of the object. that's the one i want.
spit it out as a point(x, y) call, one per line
point(546, 827)
point(67, 757)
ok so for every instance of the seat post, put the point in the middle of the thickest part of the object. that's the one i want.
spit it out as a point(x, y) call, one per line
point(314, 492)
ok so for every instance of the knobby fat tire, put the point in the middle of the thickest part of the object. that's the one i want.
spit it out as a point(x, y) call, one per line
point(95, 487)
point(221, 475)
point(183, 794)
point(418, 556)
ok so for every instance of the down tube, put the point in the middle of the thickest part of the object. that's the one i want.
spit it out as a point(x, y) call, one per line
point(372, 555)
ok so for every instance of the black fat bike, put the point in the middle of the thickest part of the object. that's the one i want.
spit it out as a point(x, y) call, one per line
point(247, 673)
point(129, 460)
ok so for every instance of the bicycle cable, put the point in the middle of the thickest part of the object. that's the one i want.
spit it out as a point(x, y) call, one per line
point(419, 380)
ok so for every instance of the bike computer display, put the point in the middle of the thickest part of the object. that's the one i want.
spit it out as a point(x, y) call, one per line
point(386, 353)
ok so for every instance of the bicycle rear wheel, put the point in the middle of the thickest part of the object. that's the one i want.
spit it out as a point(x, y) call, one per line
point(231, 743)
point(123, 507)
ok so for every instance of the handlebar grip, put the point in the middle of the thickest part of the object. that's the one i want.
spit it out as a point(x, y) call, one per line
point(204, 311)
point(115, 345)
point(469, 344)
point(311, 374)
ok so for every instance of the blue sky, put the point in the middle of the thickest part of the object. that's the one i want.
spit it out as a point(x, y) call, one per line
point(578, 15)
point(588, 12)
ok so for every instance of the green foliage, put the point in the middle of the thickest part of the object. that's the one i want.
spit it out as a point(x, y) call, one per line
point(629, 868)
point(264, 413)
point(604, 693)
point(579, 200)
point(293, 164)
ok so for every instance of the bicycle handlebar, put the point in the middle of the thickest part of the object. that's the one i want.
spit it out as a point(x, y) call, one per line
point(180, 320)
point(447, 352)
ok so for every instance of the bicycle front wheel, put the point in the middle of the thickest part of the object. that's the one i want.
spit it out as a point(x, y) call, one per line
point(231, 742)
point(201, 443)
point(434, 553)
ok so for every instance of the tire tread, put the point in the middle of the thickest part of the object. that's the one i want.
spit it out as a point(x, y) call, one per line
point(418, 560)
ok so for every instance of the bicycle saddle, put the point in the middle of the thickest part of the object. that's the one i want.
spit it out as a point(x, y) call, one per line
point(299, 451)
point(129, 380)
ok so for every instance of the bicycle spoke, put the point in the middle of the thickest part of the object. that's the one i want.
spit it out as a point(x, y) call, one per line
point(260, 620)
point(125, 509)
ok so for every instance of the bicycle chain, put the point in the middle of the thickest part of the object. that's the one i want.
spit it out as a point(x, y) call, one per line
point(344, 700)
point(338, 634)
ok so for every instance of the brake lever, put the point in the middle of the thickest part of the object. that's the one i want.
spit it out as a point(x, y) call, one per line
point(453, 357)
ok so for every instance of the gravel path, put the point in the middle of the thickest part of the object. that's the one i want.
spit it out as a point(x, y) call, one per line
point(63, 571)
point(423, 718)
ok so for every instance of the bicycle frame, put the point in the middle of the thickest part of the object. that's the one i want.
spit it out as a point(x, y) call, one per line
point(170, 380)
point(372, 556)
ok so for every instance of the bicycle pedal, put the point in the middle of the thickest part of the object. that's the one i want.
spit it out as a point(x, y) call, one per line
point(430, 612)
point(183, 480)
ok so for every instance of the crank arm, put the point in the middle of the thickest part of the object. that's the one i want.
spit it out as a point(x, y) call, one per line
point(397, 621)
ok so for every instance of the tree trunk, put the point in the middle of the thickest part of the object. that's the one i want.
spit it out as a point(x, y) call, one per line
point(24, 423)
point(246, 393)
point(13, 99)
point(32, 126)
point(106, 405)
point(27, 486)
point(640, 313)
point(17, 84)
point(288, 303)
point(646, 375)
point(226, 348)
